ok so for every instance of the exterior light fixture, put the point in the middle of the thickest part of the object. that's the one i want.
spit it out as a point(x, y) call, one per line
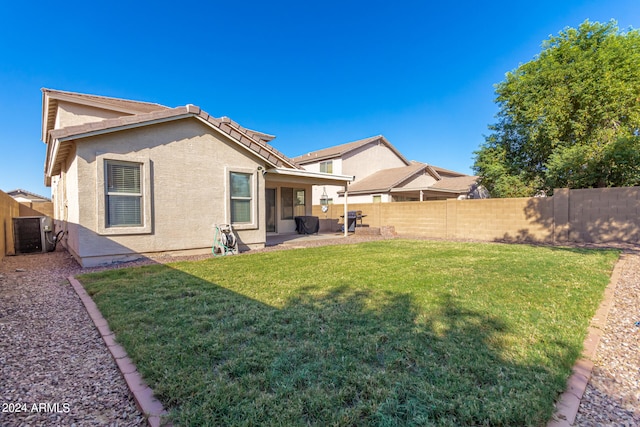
point(324, 199)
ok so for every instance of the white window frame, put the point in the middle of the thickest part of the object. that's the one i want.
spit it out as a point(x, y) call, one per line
point(328, 164)
point(102, 226)
point(253, 223)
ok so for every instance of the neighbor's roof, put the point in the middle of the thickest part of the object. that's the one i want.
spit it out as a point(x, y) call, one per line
point(386, 179)
point(391, 179)
point(18, 192)
point(341, 150)
point(455, 184)
point(60, 140)
point(447, 172)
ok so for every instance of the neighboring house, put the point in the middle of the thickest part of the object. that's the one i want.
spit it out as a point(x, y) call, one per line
point(24, 196)
point(131, 178)
point(382, 174)
point(32, 204)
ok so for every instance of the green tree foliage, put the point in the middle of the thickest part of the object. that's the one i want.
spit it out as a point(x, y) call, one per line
point(568, 118)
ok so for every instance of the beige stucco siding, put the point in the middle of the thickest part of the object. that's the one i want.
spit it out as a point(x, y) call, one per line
point(369, 159)
point(420, 181)
point(367, 198)
point(189, 166)
point(71, 114)
point(360, 163)
point(65, 197)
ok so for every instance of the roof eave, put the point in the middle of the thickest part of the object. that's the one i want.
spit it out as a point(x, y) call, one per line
point(269, 155)
point(320, 177)
point(446, 190)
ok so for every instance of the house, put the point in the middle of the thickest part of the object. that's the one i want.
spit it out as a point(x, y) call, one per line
point(130, 178)
point(24, 196)
point(31, 204)
point(382, 174)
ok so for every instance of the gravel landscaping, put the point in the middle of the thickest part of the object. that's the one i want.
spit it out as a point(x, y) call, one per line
point(56, 370)
point(55, 367)
point(612, 397)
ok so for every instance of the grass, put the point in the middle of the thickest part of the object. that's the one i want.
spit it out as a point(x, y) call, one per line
point(383, 333)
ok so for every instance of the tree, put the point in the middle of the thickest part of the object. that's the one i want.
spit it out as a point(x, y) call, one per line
point(568, 118)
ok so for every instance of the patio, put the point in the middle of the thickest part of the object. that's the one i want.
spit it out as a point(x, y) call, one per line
point(293, 239)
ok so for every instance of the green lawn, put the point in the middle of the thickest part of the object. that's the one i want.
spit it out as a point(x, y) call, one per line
point(385, 333)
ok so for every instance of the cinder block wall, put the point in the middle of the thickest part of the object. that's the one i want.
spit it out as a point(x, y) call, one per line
point(9, 209)
point(605, 215)
point(36, 209)
point(589, 215)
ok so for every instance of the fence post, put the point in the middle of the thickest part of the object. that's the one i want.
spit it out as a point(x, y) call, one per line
point(561, 215)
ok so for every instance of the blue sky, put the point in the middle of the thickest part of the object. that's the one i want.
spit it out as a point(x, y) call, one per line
point(315, 74)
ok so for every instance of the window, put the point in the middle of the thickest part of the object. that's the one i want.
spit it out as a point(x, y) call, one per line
point(326, 166)
point(123, 199)
point(123, 194)
point(241, 200)
point(377, 199)
point(293, 202)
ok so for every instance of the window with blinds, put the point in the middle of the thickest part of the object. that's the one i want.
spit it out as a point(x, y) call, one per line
point(241, 200)
point(123, 194)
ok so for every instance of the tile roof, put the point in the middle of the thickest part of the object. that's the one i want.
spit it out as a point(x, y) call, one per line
point(340, 150)
point(384, 180)
point(443, 171)
point(114, 103)
point(390, 179)
point(19, 192)
point(456, 184)
point(252, 140)
point(51, 97)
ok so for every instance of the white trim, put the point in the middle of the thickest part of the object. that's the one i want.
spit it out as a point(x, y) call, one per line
point(300, 173)
point(255, 198)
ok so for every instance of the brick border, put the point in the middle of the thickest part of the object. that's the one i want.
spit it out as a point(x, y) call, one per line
point(142, 393)
point(569, 402)
point(566, 407)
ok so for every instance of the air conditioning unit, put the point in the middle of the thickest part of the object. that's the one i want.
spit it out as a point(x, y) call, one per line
point(32, 234)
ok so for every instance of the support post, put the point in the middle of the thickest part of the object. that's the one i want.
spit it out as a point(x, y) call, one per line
point(346, 209)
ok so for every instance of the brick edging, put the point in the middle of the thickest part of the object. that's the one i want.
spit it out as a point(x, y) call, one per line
point(569, 402)
point(142, 393)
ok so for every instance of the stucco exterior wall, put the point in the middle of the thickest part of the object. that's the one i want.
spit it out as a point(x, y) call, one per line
point(369, 159)
point(71, 114)
point(360, 163)
point(420, 181)
point(188, 179)
point(331, 190)
point(363, 198)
